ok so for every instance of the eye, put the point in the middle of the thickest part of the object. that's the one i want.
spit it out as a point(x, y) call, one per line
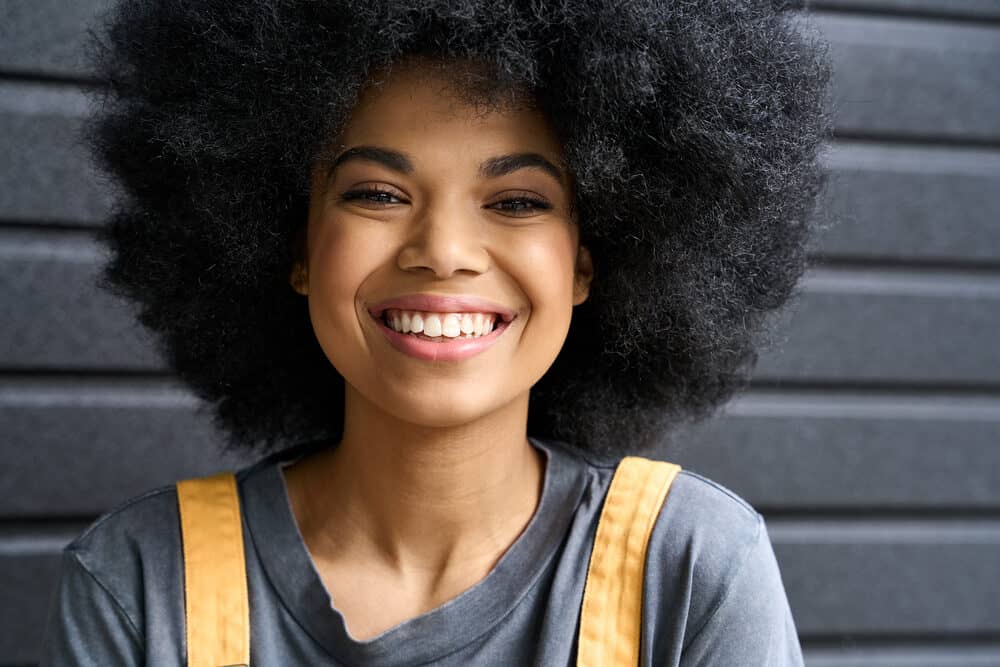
point(521, 205)
point(373, 197)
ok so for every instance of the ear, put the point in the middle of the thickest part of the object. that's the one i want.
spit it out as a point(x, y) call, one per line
point(582, 275)
point(298, 278)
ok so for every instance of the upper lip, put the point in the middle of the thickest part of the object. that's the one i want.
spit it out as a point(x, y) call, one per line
point(442, 303)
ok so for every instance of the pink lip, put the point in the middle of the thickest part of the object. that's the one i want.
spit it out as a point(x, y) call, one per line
point(435, 303)
point(455, 349)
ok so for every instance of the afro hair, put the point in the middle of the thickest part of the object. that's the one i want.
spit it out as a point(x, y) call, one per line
point(692, 130)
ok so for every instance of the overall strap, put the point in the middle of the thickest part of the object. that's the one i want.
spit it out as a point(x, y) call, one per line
point(612, 597)
point(216, 602)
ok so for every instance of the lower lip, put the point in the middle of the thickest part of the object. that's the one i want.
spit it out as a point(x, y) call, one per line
point(455, 349)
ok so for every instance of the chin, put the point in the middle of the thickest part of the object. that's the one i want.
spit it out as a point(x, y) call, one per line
point(443, 407)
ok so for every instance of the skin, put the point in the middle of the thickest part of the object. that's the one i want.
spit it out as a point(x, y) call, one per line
point(434, 478)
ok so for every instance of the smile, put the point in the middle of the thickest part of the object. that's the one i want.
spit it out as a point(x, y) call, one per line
point(433, 326)
point(434, 336)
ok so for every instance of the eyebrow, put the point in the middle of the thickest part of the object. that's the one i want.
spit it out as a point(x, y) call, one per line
point(502, 165)
point(394, 160)
point(494, 167)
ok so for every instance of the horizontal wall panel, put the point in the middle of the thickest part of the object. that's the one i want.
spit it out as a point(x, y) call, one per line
point(830, 450)
point(842, 578)
point(45, 37)
point(963, 9)
point(124, 437)
point(849, 324)
point(45, 175)
point(912, 78)
point(888, 326)
point(878, 577)
point(924, 654)
point(54, 314)
point(29, 573)
point(28, 583)
point(909, 203)
point(783, 451)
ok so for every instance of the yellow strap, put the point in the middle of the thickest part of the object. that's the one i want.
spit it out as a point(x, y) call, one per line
point(215, 581)
point(612, 596)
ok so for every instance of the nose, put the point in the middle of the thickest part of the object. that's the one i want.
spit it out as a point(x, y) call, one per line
point(444, 239)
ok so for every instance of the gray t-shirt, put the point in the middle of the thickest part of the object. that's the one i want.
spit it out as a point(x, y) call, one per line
point(713, 594)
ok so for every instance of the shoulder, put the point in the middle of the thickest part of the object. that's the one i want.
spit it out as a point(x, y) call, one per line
point(711, 549)
point(708, 526)
point(701, 512)
point(122, 581)
point(117, 574)
point(145, 521)
point(141, 534)
point(138, 539)
point(144, 525)
point(714, 591)
point(704, 536)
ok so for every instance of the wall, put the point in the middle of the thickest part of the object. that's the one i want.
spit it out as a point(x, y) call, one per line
point(870, 437)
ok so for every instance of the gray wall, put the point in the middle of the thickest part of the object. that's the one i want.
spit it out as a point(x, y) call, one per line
point(870, 437)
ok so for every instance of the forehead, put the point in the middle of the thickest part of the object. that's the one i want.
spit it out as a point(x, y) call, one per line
point(423, 111)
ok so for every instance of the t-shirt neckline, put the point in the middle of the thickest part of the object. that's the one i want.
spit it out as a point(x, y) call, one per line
point(446, 628)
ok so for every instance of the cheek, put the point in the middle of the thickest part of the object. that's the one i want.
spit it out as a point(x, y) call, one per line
point(339, 263)
point(551, 261)
point(545, 273)
point(343, 254)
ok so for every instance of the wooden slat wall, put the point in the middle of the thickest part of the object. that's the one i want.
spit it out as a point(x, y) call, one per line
point(870, 437)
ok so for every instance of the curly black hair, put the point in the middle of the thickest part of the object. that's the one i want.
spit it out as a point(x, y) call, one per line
point(691, 128)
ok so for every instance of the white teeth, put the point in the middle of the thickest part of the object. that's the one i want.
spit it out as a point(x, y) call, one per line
point(451, 326)
point(436, 325)
point(432, 325)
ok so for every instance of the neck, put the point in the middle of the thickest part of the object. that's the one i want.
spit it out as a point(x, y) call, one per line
point(419, 499)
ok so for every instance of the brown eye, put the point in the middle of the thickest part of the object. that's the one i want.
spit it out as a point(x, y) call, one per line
point(520, 206)
point(375, 197)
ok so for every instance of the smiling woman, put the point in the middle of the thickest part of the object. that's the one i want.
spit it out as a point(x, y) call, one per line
point(451, 284)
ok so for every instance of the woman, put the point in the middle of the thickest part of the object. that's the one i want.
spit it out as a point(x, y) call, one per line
point(449, 262)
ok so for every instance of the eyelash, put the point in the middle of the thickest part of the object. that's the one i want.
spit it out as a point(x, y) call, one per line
point(364, 193)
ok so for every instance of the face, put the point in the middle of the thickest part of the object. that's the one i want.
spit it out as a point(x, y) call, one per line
point(434, 210)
